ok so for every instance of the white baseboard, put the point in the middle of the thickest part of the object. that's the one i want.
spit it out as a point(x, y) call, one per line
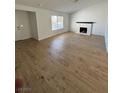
point(50, 35)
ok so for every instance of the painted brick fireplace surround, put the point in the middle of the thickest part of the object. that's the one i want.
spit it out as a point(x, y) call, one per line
point(85, 28)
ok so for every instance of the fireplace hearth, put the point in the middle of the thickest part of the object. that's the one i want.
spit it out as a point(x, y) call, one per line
point(83, 30)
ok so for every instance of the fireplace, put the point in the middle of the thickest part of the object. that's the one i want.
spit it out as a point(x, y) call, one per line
point(83, 30)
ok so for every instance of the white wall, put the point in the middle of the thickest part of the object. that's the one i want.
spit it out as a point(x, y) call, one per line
point(44, 23)
point(43, 18)
point(22, 18)
point(96, 13)
point(33, 22)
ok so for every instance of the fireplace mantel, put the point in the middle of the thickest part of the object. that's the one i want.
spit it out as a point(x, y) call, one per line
point(86, 22)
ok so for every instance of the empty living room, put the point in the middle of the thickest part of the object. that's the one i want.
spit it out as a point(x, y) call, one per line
point(61, 46)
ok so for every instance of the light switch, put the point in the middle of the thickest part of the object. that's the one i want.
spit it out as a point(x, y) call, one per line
point(21, 26)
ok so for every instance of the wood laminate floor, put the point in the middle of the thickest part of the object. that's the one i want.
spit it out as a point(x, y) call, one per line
point(66, 63)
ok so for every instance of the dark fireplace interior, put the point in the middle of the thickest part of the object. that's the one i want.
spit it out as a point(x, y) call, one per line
point(83, 30)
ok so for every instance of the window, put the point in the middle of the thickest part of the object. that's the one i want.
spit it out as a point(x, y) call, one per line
point(57, 22)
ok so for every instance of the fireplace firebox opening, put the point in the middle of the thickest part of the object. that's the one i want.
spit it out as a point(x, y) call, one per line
point(83, 30)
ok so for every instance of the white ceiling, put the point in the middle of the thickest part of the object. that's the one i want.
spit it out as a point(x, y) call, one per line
point(67, 6)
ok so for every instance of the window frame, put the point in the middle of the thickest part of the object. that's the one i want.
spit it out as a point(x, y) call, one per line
point(57, 28)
